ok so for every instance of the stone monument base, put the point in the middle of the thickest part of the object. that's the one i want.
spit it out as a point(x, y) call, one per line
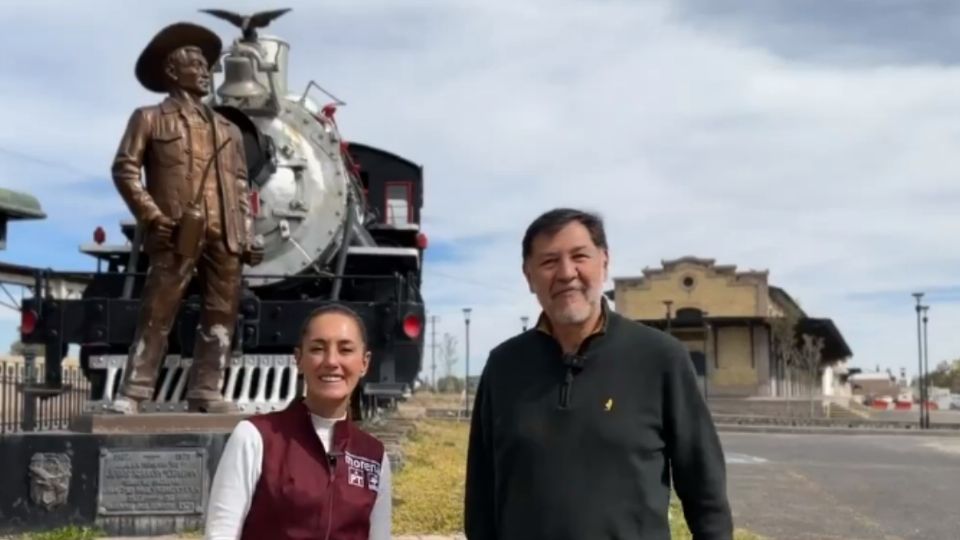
point(139, 475)
point(155, 423)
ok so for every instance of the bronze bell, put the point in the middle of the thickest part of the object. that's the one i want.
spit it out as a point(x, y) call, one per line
point(239, 81)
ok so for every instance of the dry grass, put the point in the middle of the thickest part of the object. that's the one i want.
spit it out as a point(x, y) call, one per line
point(679, 530)
point(425, 398)
point(428, 492)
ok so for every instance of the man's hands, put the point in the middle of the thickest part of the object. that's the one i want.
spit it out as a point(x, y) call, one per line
point(161, 228)
point(252, 255)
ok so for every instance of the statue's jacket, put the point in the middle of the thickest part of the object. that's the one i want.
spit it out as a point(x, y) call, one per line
point(158, 140)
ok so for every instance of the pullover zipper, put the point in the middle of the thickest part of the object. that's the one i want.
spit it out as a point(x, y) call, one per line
point(573, 362)
point(333, 474)
point(566, 388)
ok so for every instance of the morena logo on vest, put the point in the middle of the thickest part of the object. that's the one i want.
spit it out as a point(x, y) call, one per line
point(362, 472)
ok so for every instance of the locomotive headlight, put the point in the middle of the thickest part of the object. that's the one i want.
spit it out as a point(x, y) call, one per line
point(412, 326)
point(28, 321)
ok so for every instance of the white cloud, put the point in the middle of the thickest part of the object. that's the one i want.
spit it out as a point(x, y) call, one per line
point(836, 179)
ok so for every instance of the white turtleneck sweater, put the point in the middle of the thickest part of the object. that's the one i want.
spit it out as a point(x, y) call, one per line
point(239, 470)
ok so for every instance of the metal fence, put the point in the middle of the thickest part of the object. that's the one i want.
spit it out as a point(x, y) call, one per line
point(19, 413)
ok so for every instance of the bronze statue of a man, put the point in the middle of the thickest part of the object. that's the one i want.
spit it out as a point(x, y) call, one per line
point(193, 210)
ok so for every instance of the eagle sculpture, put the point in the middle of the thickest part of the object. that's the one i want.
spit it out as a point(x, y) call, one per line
point(248, 24)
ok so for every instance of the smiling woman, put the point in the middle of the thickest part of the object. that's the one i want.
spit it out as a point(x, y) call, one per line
point(307, 471)
point(332, 357)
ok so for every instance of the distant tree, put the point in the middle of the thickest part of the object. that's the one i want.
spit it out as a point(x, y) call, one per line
point(450, 384)
point(784, 341)
point(947, 375)
point(448, 354)
point(18, 348)
point(808, 359)
point(797, 357)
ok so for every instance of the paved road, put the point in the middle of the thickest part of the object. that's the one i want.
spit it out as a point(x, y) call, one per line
point(850, 487)
point(936, 417)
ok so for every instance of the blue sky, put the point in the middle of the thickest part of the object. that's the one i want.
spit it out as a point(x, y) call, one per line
point(817, 140)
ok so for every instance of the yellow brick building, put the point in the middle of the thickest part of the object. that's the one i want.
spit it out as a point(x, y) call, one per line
point(723, 316)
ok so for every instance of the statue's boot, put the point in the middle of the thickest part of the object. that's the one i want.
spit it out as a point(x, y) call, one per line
point(210, 358)
point(123, 405)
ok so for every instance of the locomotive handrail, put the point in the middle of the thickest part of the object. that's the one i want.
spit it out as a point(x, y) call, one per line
point(43, 276)
point(313, 84)
point(344, 245)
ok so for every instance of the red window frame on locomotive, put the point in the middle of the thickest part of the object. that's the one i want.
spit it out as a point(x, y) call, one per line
point(408, 187)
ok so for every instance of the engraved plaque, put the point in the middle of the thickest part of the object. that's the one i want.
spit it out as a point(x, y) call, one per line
point(160, 481)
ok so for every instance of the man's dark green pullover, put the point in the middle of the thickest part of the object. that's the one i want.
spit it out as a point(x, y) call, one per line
point(583, 446)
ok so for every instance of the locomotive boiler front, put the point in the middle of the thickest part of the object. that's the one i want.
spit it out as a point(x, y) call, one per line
point(301, 188)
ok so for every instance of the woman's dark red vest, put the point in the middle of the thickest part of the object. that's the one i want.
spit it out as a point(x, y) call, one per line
point(305, 492)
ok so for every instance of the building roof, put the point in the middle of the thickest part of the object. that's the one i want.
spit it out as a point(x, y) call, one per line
point(835, 346)
point(669, 265)
point(871, 377)
point(19, 205)
point(785, 301)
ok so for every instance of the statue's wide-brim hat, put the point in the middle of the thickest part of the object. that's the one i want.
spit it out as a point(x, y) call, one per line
point(149, 69)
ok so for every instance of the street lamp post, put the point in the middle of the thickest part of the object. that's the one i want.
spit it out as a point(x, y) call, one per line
point(668, 303)
point(926, 371)
point(523, 320)
point(466, 374)
point(918, 296)
point(707, 357)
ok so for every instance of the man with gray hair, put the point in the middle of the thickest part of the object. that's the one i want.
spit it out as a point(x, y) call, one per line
point(580, 423)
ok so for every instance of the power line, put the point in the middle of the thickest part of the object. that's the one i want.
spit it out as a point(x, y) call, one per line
point(469, 281)
point(36, 160)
